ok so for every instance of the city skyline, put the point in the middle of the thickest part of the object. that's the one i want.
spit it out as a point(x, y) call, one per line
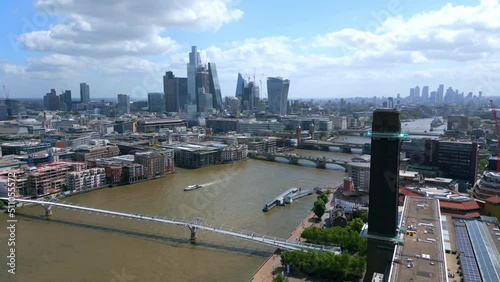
point(383, 47)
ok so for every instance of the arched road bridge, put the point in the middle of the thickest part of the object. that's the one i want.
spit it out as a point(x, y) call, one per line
point(193, 225)
point(320, 162)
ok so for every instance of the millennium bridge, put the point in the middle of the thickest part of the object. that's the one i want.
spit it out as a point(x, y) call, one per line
point(192, 224)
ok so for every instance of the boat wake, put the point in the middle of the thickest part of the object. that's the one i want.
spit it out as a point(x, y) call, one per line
point(209, 183)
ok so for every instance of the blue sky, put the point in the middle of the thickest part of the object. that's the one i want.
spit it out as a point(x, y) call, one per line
point(328, 49)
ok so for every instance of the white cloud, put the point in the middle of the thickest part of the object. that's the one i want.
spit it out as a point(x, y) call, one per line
point(455, 33)
point(124, 28)
point(13, 69)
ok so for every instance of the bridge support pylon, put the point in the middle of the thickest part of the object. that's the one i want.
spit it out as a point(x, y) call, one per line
point(346, 150)
point(48, 210)
point(320, 164)
point(193, 234)
point(292, 160)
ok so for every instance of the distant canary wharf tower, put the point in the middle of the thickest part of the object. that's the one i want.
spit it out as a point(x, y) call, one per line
point(277, 93)
point(383, 210)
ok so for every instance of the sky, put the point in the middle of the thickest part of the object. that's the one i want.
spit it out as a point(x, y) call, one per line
point(327, 49)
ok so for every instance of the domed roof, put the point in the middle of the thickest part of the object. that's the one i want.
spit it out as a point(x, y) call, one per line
point(29, 121)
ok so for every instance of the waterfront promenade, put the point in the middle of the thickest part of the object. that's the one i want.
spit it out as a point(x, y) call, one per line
point(273, 266)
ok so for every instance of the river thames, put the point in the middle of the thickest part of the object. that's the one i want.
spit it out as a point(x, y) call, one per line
point(75, 246)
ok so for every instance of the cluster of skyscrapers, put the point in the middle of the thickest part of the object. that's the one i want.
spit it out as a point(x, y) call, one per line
point(63, 101)
point(198, 92)
point(277, 91)
point(439, 96)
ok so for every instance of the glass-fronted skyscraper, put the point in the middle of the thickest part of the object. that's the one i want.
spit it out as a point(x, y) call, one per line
point(192, 67)
point(84, 93)
point(181, 92)
point(169, 88)
point(156, 102)
point(204, 97)
point(214, 86)
point(240, 85)
point(277, 93)
point(123, 106)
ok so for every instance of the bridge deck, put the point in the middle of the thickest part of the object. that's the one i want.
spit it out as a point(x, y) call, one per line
point(195, 223)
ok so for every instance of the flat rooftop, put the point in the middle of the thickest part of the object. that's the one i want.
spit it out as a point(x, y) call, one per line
point(421, 256)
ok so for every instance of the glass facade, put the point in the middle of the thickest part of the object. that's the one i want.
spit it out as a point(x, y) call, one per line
point(169, 88)
point(123, 106)
point(84, 93)
point(214, 86)
point(156, 102)
point(240, 85)
point(277, 92)
point(192, 67)
point(181, 92)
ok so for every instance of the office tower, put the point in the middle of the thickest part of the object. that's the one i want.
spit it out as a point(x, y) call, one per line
point(384, 172)
point(458, 160)
point(241, 83)
point(203, 97)
point(84, 93)
point(214, 86)
point(233, 105)
point(440, 94)
point(171, 103)
point(390, 103)
point(192, 67)
point(417, 93)
point(433, 97)
point(123, 106)
point(277, 93)
point(156, 102)
point(450, 95)
point(65, 99)
point(412, 93)
point(480, 94)
point(51, 101)
point(181, 92)
point(248, 98)
point(425, 94)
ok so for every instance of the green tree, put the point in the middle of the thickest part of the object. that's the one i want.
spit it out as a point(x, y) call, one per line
point(482, 166)
point(356, 224)
point(323, 197)
point(280, 278)
point(363, 215)
point(404, 115)
point(319, 208)
point(325, 265)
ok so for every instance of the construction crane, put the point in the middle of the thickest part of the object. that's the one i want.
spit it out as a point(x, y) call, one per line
point(6, 93)
point(261, 89)
point(497, 131)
